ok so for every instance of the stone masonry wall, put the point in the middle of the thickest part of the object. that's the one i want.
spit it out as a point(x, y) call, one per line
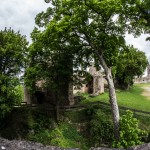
point(27, 145)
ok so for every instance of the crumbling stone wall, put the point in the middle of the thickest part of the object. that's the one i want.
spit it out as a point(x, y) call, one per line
point(142, 79)
point(96, 85)
point(28, 145)
point(47, 95)
point(139, 147)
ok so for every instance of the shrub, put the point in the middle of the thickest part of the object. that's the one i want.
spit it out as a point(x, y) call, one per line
point(14, 97)
point(43, 136)
point(66, 136)
point(40, 125)
point(130, 134)
point(101, 128)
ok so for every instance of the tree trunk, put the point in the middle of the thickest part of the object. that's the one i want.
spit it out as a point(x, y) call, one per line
point(112, 93)
point(57, 111)
point(57, 106)
point(112, 96)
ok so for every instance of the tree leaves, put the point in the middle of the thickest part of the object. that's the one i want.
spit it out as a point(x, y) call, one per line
point(131, 62)
point(13, 57)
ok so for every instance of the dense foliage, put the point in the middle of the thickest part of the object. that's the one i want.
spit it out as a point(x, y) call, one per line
point(65, 135)
point(86, 33)
point(76, 32)
point(48, 61)
point(131, 63)
point(101, 128)
point(13, 49)
point(130, 134)
point(137, 13)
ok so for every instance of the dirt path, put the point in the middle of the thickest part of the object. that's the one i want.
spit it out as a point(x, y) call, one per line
point(146, 92)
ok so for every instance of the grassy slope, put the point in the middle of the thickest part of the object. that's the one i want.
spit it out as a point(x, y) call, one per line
point(131, 98)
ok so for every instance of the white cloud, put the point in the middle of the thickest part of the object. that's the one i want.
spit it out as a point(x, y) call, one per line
point(20, 14)
point(139, 43)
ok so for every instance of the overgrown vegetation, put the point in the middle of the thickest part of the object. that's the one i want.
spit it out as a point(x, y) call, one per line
point(36, 125)
point(87, 31)
point(13, 50)
point(90, 127)
point(23, 121)
point(74, 33)
point(130, 134)
point(65, 135)
point(100, 127)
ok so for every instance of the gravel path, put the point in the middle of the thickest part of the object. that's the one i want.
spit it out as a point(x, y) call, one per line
point(146, 92)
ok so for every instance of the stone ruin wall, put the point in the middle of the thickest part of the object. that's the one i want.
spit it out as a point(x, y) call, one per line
point(49, 96)
point(95, 86)
point(143, 79)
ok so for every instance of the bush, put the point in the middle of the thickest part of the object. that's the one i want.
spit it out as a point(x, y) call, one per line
point(101, 128)
point(66, 136)
point(63, 135)
point(40, 125)
point(130, 134)
point(43, 136)
point(14, 97)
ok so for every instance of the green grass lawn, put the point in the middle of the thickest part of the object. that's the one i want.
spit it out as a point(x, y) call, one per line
point(131, 98)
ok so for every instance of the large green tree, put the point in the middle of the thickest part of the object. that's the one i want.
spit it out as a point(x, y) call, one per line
point(93, 28)
point(136, 19)
point(131, 63)
point(13, 50)
point(57, 63)
point(136, 14)
point(51, 64)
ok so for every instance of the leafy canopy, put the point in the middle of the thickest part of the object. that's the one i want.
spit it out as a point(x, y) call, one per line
point(13, 51)
point(131, 62)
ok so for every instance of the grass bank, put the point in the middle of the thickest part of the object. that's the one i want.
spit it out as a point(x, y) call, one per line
point(131, 98)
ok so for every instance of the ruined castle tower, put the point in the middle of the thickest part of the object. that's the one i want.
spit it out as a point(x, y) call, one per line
point(98, 83)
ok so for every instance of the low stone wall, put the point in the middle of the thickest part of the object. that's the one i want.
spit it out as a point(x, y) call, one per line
point(101, 148)
point(139, 147)
point(28, 145)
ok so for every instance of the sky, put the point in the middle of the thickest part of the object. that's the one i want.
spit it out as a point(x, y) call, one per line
point(20, 15)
